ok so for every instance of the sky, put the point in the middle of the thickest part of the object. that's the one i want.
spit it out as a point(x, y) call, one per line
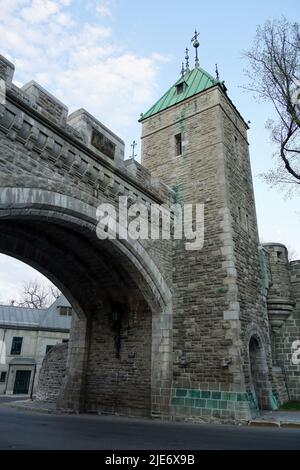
point(115, 58)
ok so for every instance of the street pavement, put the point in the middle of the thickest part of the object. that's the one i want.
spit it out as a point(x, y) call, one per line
point(36, 431)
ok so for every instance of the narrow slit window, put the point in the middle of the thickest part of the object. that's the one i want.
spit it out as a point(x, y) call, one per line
point(178, 144)
point(247, 223)
point(240, 215)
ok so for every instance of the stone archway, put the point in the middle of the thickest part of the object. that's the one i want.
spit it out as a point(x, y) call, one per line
point(120, 354)
point(259, 375)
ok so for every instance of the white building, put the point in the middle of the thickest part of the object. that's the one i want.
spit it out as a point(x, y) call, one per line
point(26, 335)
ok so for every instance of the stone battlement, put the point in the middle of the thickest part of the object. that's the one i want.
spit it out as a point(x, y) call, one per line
point(77, 142)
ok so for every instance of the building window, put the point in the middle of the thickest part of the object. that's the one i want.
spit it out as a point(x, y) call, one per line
point(48, 348)
point(180, 88)
point(65, 340)
point(65, 311)
point(247, 223)
point(178, 144)
point(2, 377)
point(16, 346)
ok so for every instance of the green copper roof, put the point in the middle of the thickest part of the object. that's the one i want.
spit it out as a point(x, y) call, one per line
point(195, 81)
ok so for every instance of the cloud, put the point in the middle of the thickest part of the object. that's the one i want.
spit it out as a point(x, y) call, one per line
point(103, 9)
point(13, 274)
point(40, 11)
point(79, 60)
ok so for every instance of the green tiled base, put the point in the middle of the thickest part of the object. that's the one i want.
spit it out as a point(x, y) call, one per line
point(210, 403)
point(274, 400)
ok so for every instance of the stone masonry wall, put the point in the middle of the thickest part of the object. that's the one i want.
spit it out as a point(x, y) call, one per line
point(120, 383)
point(52, 374)
point(208, 284)
point(54, 173)
point(252, 308)
point(290, 332)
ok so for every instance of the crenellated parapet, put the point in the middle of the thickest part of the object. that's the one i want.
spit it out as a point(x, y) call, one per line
point(75, 146)
point(280, 300)
point(295, 283)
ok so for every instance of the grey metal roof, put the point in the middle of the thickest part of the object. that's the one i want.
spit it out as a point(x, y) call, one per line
point(49, 318)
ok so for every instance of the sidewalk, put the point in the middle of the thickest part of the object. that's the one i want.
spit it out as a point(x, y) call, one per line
point(32, 405)
point(283, 419)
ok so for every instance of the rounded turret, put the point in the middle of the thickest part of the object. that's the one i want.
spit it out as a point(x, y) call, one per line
point(280, 302)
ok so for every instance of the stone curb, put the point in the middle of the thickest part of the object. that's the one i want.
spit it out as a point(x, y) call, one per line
point(278, 424)
point(289, 424)
point(264, 423)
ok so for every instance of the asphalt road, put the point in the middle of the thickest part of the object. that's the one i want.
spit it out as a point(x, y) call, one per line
point(36, 431)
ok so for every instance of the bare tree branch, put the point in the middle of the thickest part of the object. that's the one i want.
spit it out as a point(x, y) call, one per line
point(35, 295)
point(273, 73)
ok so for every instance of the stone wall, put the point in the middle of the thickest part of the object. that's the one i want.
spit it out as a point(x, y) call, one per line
point(289, 332)
point(218, 303)
point(118, 376)
point(249, 319)
point(55, 170)
point(162, 330)
point(52, 373)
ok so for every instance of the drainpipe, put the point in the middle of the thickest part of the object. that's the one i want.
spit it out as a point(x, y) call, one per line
point(3, 344)
point(33, 382)
point(286, 383)
point(7, 379)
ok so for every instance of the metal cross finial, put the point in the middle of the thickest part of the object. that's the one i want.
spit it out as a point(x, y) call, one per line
point(217, 73)
point(196, 44)
point(133, 145)
point(187, 58)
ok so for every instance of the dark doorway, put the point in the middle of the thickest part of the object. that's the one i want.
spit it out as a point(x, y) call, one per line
point(22, 381)
point(259, 374)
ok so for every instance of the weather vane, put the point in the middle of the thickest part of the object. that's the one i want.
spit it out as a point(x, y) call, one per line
point(196, 44)
point(133, 145)
point(217, 73)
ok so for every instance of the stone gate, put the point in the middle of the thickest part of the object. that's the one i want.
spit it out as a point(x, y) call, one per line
point(159, 330)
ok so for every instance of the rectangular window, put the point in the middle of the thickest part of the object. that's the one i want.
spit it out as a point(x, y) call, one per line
point(2, 377)
point(16, 346)
point(48, 348)
point(178, 144)
point(65, 311)
point(65, 340)
point(180, 88)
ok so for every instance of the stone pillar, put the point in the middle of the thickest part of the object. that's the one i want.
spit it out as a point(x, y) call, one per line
point(6, 71)
point(161, 366)
point(71, 396)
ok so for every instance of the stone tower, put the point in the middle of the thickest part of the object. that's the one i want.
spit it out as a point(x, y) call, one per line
point(195, 140)
point(284, 315)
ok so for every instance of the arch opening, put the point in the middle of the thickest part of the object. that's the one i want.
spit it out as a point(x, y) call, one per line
point(259, 374)
point(122, 318)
